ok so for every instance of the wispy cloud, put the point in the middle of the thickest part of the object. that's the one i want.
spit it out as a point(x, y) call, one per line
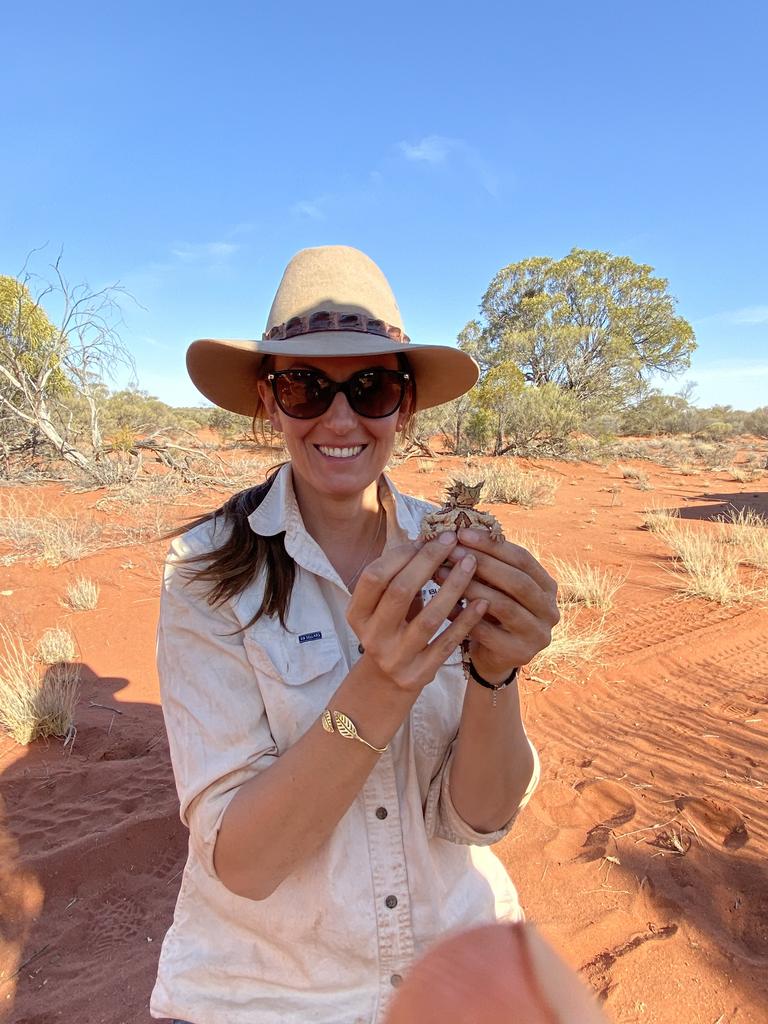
point(440, 149)
point(432, 149)
point(745, 316)
point(203, 252)
point(750, 315)
point(726, 370)
point(312, 209)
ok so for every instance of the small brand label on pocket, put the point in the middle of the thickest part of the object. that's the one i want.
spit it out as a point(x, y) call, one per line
point(304, 638)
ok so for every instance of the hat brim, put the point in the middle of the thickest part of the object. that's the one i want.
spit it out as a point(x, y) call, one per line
point(226, 371)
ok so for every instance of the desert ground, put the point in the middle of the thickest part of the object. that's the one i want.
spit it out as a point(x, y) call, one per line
point(643, 856)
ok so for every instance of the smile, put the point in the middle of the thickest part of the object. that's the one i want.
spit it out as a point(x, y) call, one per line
point(340, 453)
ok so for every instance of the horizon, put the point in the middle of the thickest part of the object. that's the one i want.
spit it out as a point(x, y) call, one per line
point(190, 156)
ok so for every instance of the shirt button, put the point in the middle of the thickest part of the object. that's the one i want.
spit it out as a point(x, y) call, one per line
point(395, 980)
point(391, 902)
point(360, 649)
point(381, 813)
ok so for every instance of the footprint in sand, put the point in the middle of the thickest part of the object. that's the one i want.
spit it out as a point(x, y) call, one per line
point(586, 814)
point(724, 824)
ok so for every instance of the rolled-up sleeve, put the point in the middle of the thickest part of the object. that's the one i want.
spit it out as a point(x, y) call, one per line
point(214, 714)
point(443, 821)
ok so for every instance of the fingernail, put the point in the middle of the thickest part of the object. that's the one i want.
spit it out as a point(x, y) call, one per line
point(471, 536)
point(468, 563)
point(449, 537)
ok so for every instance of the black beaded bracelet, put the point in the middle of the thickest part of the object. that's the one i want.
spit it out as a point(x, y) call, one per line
point(492, 686)
point(470, 670)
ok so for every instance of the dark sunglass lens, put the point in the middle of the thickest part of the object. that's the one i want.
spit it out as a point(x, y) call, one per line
point(303, 395)
point(376, 393)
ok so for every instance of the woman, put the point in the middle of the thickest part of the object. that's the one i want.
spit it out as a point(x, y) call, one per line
point(338, 784)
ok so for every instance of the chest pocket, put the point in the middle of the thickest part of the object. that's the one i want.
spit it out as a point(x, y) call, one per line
point(437, 711)
point(296, 679)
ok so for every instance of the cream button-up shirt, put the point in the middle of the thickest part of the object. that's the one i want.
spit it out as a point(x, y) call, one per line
point(400, 870)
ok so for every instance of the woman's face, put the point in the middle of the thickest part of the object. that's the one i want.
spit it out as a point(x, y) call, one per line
point(339, 453)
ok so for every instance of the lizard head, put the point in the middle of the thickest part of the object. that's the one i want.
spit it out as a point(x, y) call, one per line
point(460, 493)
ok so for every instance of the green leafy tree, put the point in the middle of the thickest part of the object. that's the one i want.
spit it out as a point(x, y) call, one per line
point(497, 393)
point(541, 421)
point(592, 323)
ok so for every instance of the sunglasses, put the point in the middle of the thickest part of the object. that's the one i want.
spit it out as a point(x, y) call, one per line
point(306, 394)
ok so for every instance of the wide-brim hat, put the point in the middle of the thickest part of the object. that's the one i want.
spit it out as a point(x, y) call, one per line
point(332, 301)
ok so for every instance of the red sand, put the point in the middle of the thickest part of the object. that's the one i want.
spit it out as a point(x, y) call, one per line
point(669, 727)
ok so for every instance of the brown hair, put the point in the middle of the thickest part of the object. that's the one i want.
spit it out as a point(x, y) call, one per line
point(236, 562)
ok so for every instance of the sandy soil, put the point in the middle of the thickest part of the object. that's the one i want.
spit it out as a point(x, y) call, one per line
point(664, 733)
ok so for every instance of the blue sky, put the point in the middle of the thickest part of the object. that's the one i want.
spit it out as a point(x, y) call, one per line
point(188, 150)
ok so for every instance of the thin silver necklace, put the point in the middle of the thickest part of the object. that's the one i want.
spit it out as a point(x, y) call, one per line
point(349, 583)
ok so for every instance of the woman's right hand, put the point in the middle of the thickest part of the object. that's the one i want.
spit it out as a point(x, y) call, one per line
point(396, 633)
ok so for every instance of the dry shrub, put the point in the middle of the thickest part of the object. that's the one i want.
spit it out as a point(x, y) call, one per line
point(572, 641)
point(580, 583)
point(744, 474)
point(56, 645)
point(147, 490)
point(508, 483)
point(82, 594)
point(52, 537)
point(32, 707)
point(641, 478)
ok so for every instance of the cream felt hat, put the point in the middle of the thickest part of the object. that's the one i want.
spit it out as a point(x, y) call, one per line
point(332, 301)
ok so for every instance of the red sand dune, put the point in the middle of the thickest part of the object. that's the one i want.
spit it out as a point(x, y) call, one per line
point(660, 741)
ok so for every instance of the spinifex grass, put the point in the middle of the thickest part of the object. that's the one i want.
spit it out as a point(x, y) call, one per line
point(506, 482)
point(747, 530)
point(56, 645)
point(48, 535)
point(710, 569)
point(82, 594)
point(34, 706)
point(581, 583)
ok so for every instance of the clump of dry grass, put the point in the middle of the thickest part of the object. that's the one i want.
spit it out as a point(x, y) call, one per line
point(660, 520)
point(82, 594)
point(32, 707)
point(508, 483)
point(747, 530)
point(710, 569)
point(56, 645)
point(744, 474)
point(572, 641)
point(52, 537)
point(581, 583)
point(638, 475)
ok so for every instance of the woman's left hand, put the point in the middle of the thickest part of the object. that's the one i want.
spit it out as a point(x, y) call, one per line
point(522, 600)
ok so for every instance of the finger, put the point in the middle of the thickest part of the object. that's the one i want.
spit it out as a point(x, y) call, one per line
point(436, 611)
point(438, 650)
point(513, 582)
point(396, 598)
point(506, 551)
point(376, 577)
point(507, 611)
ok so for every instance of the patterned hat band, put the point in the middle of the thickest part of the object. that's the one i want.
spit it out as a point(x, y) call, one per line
point(333, 320)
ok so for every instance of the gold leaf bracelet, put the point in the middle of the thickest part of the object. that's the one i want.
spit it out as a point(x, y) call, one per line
point(346, 728)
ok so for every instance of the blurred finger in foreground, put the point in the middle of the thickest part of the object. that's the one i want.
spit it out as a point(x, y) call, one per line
point(496, 974)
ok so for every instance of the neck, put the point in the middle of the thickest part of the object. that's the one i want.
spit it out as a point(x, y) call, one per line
point(339, 523)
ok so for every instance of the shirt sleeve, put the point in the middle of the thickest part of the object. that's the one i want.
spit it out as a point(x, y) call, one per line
point(217, 726)
point(443, 821)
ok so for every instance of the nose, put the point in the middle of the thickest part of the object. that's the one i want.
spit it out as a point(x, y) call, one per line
point(340, 416)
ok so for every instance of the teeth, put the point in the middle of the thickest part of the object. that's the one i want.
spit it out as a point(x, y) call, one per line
point(341, 453)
